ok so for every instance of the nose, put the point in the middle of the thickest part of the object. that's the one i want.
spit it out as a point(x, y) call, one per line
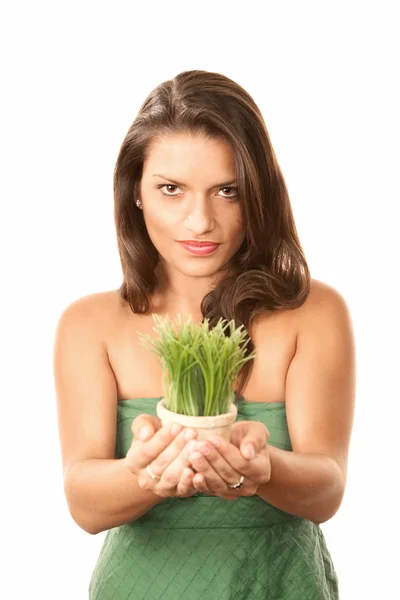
point(200, 218)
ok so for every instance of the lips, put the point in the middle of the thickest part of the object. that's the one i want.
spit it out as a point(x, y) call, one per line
point(198, 244)
point(200, 250)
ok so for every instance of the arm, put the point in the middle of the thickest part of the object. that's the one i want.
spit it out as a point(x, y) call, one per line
point(100, 490)
point(320, 396)
point(102, 493)
point(310, 486)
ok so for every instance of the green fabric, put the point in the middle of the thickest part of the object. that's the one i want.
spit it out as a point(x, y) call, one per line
point(208, 548)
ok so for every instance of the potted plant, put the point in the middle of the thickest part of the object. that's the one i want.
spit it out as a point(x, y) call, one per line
point(198, 366)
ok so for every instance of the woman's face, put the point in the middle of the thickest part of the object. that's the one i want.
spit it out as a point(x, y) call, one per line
point(185, 196)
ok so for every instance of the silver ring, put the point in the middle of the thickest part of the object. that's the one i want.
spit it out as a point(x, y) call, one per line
point(238, 485)
point(151, 474)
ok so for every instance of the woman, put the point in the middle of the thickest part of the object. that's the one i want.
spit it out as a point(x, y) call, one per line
point(216, 520)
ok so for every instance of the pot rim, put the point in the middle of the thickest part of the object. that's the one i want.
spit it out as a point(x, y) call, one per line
point(198, 421)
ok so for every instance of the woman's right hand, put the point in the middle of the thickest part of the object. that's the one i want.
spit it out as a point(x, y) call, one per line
point(166, 453)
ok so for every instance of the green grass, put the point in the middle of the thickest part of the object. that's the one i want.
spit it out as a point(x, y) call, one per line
point(198, 364)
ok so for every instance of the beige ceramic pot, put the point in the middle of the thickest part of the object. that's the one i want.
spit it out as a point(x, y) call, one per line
point(205, 426)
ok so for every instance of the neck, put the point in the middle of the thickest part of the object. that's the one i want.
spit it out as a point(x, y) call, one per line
point(180, 293)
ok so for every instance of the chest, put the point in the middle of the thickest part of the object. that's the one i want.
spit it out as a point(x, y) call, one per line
point(138, 373)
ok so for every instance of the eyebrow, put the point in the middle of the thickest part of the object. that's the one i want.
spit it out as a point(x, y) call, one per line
point(217, 185)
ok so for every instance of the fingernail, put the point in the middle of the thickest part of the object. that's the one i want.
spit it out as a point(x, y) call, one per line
point(175, 429)
point(205, 450)
point(190, 445)
point(196, 455)
point(214, 441)
point(248, 451)
point(190, 434)
point(144, 433)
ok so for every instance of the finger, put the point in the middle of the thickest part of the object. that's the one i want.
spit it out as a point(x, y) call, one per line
point(225, 470)
point(213, 479)
point(200, 485)
point(171, 476)
point(144, 426)
point(257, 470)
point(250, 437)
point(232, 455)
point(140, 454)
point(172, 450)
point(185, 486)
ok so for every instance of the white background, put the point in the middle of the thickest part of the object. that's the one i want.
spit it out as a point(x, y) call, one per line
point(74, 74)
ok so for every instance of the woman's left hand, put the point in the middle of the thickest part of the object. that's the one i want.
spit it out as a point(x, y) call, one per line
point(220, 463)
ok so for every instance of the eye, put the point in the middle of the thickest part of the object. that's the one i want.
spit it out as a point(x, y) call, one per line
point(230, 188)
point(170, 185)
point(167, 185)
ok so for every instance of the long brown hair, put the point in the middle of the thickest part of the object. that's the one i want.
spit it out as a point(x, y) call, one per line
point(270, 270)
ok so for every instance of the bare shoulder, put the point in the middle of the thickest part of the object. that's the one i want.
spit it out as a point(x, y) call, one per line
point(321, 292)
point(92, 305)
point(326, 304)
point(323, 302)
point(93, 311)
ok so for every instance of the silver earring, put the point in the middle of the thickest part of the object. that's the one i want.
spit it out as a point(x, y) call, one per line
point(138, 203)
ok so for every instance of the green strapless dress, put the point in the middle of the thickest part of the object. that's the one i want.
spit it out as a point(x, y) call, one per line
point(208, 548)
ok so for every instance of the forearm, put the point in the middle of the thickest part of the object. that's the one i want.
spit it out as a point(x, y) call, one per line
point(310, 486)
point(103, 493)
